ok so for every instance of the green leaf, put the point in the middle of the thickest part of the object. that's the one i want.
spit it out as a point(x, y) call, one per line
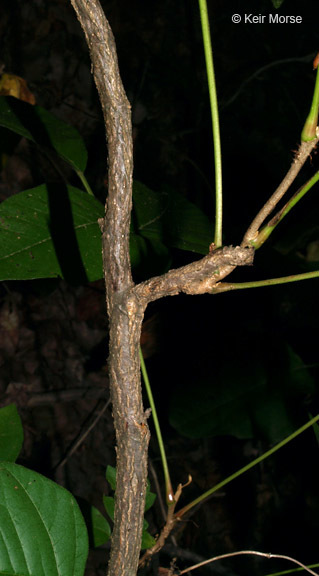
point(138, 250)
point(298, 379)
point(50, 231)
point(219, 407)
point(111, 476)
point(247, 398)
point(100, 528)
point(37, 124)
point(149, 498)
point(42, 530)
point(109, 505)
point(270, 415)
point(147, 541)
point(11, 433)
point(145, 524)
point(171, 219)
point(31, 247)
point(148, 257)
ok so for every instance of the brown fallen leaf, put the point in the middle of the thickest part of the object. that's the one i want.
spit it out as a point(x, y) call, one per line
point(12, 85)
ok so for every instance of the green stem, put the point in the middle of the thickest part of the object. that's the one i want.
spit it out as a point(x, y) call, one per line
point(293, 571)
point(215, 122)
point(168, 484)
point(315, 429)
point(200, 499)
point(85, 182)
point(270, 227)
point(227, 286)
point(310, 127)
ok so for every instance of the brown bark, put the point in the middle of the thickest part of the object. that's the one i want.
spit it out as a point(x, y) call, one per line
point(125, 302)
point(196, 278)
point(125, 317)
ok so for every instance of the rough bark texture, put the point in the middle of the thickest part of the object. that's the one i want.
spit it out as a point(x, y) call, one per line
point(125, 302)
point(198, 277)
point(132, 435)
point(125, 316)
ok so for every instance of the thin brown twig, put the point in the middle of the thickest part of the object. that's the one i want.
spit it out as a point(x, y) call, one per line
point(300, 158)
point(64, 396)
point(268, 555)
point(158, 490)
point(159, 497)
point(260, 71)
point(81, 437)
point(186, 555)
point(169, 525)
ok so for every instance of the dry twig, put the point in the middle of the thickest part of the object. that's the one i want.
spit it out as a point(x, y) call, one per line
point(247, 553)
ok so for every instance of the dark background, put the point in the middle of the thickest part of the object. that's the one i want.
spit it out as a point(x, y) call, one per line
point(53, 334)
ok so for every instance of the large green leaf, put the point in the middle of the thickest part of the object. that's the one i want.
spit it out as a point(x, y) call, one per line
point(11, 433)
point(217, 407)
point(50, 231)
point(245, 399)
point(171, 219)
point(37, 124)
point(42, 532)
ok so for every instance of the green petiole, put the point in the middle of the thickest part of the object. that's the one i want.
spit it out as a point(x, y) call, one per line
point(310, 127)
point(218, 240)
point(270, 227)
point(168, 484)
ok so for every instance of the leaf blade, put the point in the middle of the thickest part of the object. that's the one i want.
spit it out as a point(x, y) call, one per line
point(171, 219)
point(100, 528)
point(11, 433)
point(109, 505)
point(42, 529)
point(111, 476)
point(39, 126)
point(27, 249)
